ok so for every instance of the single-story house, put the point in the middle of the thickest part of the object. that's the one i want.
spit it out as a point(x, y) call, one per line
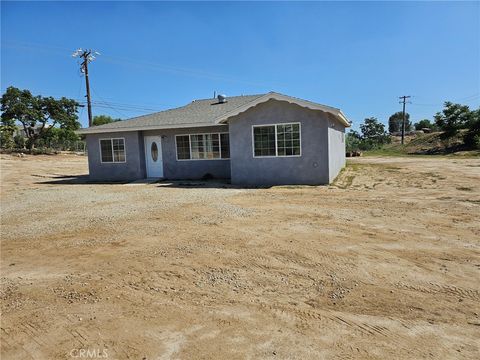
point(267, 139)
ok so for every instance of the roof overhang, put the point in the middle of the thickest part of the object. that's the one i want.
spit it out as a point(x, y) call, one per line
point(93, 130)
point(337, 113)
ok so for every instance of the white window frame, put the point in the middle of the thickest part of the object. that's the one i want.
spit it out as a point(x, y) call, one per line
point(113, 156)
point(190, 144)
point(276, 140)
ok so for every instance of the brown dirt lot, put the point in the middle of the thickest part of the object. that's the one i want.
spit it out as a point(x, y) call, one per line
point(383, 264)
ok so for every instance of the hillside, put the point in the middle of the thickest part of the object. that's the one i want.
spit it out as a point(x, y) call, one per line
point(426, 144)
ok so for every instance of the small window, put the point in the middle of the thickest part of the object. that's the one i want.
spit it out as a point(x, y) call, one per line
point(183, 147)
point(225, 146)
point(154, 151)
point(107, 153)
point(112, 150)
point(288, 140)
point(276, 140)
point(264, 140)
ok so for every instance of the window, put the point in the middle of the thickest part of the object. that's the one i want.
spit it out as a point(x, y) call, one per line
point(203, 146)
point(154, 151)
point(276, 140)
point(288, 140)
point(264, 140)
point(183, 147)
point(225, 146)
point(112, 150)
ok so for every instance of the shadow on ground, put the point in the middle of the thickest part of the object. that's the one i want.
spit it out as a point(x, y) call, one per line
point(74, 180)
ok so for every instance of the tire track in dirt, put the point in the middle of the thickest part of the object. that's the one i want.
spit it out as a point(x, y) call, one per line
point(28, 336)
point(328, 261)
point(326, 319)
point(442, 289)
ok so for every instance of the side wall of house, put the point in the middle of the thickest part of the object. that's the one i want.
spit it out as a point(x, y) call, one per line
point(336, 148)
point(309, 168)
point(174, 169)
point(132, 169)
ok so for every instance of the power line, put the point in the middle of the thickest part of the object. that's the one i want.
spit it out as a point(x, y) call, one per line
point(142, 64)
point(121, 105)
point(109, 105)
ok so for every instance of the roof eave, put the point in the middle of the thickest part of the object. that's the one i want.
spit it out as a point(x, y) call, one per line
point(280, 97)
point(89, 131)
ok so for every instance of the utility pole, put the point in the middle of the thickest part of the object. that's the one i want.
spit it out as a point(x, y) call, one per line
point(404, 101)
point(87, 56)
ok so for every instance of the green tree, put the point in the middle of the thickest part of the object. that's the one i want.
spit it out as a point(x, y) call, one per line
point(60, 138)
point(353, 141)
point(6, 135)
point(472, 136)
point(424, 124)
point(103, 119)
point(38, 115)
point(395, 122)
point(453, 118)
point(373, 134)
point(19, 141)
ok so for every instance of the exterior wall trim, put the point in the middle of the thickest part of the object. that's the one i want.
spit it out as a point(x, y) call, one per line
point(280, 97)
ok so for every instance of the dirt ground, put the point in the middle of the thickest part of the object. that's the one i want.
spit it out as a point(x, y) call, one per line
point(384, 264)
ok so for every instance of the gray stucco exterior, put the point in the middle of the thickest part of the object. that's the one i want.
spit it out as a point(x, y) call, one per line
point(189, 169)
point(132, 169)
point(309, 168)
point(322, 150)
point(336, 148)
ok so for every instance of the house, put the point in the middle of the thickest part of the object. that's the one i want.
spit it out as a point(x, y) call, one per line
point(266, 139)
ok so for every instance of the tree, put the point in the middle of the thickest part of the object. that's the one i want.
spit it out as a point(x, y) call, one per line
point(6, 135)
point(373, 130)
point(19, 141)
point(353, 141)
point(395, 122)
point(38, 115)
point(453, 118)
point(58, 137)
point(373, 134)
point(472, 136)
point(425, 124)
point(103, 119)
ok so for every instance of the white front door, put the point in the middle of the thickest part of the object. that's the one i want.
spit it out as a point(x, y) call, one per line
point(153, 156)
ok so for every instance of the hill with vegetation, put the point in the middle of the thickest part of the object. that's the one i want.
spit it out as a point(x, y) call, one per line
point(435, 143)
point(455, 130)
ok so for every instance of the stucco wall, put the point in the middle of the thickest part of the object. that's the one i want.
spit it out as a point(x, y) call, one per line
point(189, 169)
point(310, 168)
point(336, 148)
point(134, 166)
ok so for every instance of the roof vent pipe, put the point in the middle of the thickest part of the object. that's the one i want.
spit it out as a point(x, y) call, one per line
point(222, 98)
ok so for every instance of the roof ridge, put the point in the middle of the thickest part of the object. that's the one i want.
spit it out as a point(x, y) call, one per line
point(234, 96)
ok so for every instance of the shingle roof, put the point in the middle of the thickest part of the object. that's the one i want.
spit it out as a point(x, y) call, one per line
point(206, 112)
point(197, 113)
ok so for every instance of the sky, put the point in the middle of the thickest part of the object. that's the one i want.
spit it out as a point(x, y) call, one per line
point(357, 56)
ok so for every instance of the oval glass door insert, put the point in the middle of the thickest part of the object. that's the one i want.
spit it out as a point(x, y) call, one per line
point(154, 151)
